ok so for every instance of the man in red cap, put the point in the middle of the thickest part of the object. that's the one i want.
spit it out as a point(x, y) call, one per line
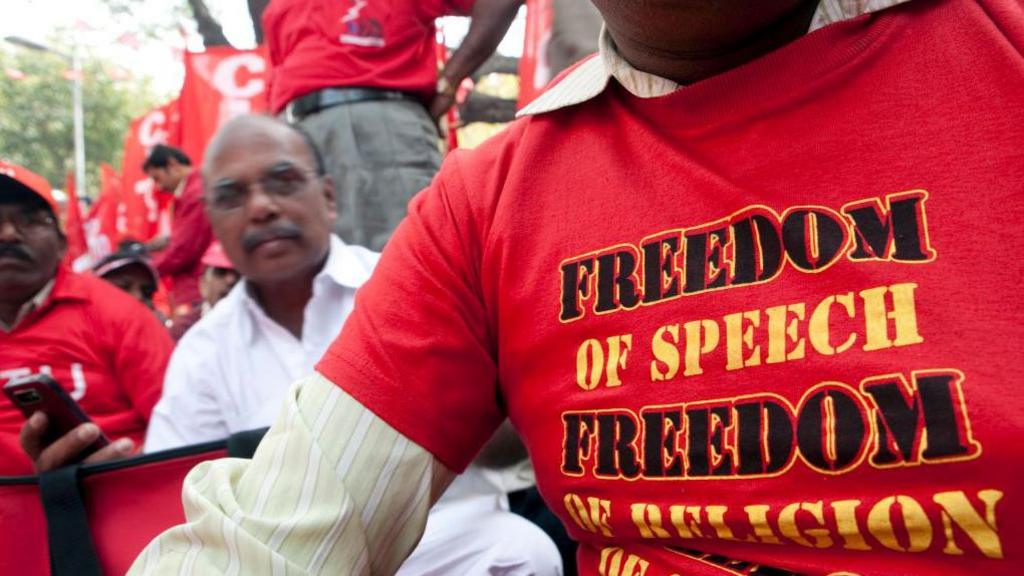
point(105, 348)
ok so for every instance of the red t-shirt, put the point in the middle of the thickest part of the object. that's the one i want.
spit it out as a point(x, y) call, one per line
point(106, 349)
point(387, 44)
point(768, 320)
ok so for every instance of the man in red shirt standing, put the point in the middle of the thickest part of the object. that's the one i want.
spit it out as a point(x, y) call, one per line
point(361, 77)
point(104, 347)
point(180, 256)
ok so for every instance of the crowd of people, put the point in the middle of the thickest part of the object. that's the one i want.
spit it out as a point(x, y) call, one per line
point(710, 292)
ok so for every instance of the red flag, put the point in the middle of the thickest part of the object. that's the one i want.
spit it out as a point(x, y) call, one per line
point(220, 84)
point(145, 206)
point(105, 223)
point(78, 248)
point(534, 70)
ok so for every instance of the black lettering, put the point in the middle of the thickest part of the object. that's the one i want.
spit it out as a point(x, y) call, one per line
point(942, 427)
point(659, 264)
point(575, 288)
point(899, 234)
point(616, 453)
point(758, 249)
point(704, 250)
point(616, 284)
point(813, 239)
point(831, 430)
point(660, 441)
point(764, 437)
point(578, 430)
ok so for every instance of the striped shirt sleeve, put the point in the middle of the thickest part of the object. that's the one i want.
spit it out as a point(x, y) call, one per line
point(332, 488)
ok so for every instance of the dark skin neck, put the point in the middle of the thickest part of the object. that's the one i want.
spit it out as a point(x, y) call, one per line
point(686, 66)
point(9, 311)
point(287, 307)
point(10, 307)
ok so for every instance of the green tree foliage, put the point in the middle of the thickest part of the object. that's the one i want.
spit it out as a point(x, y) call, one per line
point(36, 123)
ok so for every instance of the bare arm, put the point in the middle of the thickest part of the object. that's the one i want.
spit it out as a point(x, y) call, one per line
point(490, 20)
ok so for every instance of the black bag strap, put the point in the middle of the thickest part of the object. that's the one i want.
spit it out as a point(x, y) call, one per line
point(68, 524)
point(243, 444)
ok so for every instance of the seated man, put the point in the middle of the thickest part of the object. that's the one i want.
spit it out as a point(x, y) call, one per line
point(99, 343)
point(746, 283)
point(272, 209)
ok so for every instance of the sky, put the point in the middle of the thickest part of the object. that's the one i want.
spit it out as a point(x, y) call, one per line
point(99, 32)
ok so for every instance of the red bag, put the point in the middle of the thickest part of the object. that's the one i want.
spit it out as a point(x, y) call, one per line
point(96, 519)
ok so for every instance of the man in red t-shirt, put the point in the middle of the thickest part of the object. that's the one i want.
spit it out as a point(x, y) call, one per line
point(360, 76)
point(179, 256)
point(104, 347)
point(749, 293)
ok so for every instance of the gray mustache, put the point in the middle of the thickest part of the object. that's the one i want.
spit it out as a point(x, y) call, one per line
point(253, 239)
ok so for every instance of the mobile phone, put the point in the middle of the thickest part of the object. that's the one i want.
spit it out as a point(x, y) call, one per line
point(41, 393)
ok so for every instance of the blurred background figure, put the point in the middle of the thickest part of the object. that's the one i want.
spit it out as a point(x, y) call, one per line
point(130, 269)
point(219, 276)
point(574, 32)
point(179, 256)
point(362, 79)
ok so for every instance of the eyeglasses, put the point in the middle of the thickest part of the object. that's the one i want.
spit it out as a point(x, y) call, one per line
point(28, 221)
point(281, 181)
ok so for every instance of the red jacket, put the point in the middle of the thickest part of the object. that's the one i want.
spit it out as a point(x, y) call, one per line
point(108, 350)
point(190, 236)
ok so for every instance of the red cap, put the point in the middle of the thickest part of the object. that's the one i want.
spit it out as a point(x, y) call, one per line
point(216, 258)
point(29, 180)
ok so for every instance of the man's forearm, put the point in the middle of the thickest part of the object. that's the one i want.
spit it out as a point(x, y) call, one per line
point(490, 20)
point(332, 488)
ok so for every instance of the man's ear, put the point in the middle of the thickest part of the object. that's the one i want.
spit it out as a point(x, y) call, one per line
point(330, 197)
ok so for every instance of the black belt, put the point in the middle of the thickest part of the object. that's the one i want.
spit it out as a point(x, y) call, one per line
point(314, 102)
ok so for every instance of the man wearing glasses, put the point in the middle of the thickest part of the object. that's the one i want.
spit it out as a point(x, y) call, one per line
point(272, 209)
point(105, 348)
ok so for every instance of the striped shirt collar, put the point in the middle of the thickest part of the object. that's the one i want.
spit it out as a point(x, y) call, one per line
point(590, 78)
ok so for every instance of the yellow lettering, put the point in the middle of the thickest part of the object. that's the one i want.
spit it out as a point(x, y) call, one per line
point(593, 520)
point(957, 510)
point(919, 529)
point(739, 338)
point(686, 528)
point(811, 538)
point(757, 515)
point(701, 338)
point(783, 329)
point(819, 327)
point(877, 317)
point(716, 517)
point(589, 364)
point(618, 350)
point(647, 518)
point(665, 352)
point(846, 522)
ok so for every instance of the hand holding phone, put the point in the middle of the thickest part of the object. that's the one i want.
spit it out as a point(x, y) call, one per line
point(40, 393)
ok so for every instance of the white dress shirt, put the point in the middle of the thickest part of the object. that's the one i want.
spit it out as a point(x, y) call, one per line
point(230, 371)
